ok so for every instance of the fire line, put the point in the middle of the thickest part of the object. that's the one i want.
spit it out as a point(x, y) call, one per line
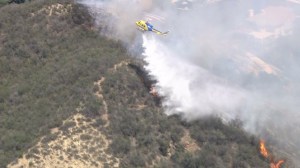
point(264, 152)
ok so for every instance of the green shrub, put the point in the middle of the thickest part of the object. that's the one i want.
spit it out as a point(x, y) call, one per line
point(120, 145)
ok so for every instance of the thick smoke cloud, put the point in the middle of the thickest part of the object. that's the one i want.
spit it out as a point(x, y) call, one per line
point(234, 59)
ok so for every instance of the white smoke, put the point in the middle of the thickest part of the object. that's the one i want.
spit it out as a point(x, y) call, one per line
point(189, 89)
point(234, 59)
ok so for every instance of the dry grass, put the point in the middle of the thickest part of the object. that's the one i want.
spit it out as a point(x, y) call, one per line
point(79, 146)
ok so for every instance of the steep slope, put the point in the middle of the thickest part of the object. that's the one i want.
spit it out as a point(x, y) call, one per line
point(50, 57)
point(132, 131)
point(71, 98)
point(76, 144)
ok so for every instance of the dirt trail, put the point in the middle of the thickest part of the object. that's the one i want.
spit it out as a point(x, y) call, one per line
point(117, 66)
point(188, 142)
point(77, 143)
point(100, 96)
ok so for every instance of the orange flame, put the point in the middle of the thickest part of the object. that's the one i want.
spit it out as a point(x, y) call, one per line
point(264, 152)
point(277, 165)
point(263, 149)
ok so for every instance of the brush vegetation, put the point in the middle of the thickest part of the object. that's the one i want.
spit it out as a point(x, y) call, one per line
point(49, 61)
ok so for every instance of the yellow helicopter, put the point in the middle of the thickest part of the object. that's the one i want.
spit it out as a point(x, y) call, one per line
point(146, 26)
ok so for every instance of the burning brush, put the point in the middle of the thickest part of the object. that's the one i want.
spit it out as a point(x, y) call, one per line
point(263, 149)
point(265, 153)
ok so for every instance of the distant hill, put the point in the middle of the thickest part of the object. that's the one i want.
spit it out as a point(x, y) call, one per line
point(71, 98)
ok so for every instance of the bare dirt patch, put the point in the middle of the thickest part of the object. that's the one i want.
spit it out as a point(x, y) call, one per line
point(79, 145)
point(189, 143)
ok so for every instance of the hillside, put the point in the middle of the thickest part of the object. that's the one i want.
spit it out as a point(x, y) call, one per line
point(71, 98)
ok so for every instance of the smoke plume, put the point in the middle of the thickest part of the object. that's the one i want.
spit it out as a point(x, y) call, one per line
point(233, 59)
